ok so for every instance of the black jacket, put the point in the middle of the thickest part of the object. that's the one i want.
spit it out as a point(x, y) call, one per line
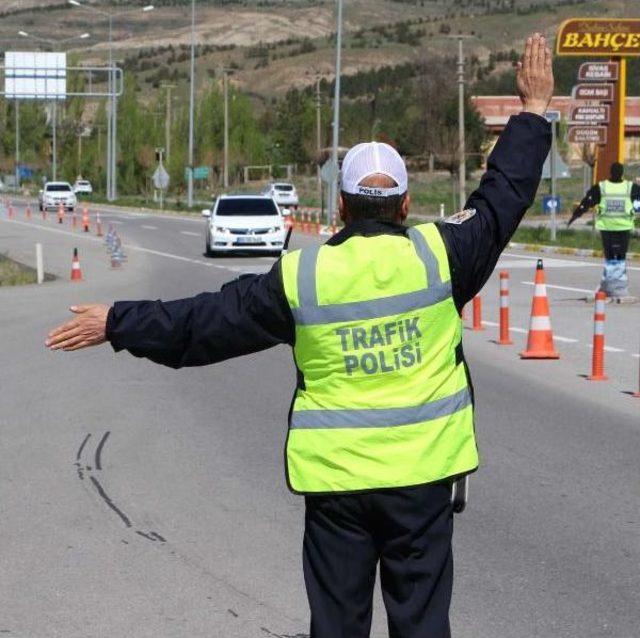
point(252, 314)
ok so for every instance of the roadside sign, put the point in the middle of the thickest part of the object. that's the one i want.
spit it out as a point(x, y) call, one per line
point(587, 134)
point(550, 204)
point(598, 72)
point(587, 114)
point(600, 92)
point(599, 36)
point(553, 116)
point(328, 172)
point(161, 178)
point(199, 172)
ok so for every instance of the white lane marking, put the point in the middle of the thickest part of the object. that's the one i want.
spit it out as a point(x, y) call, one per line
point(115, 221)
point(234, 269)
point(607, 348)
point(567, 262)
point(523, 331)
point(149, 227)
point(636, 356)
point(188, 232)
point(569, 288)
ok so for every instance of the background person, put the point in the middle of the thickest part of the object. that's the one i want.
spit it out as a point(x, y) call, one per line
point(617, 200)
point(382, 418)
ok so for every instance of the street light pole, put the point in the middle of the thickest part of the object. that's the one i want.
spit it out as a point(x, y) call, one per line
point(462, 169)
point(318, 138)
point(333, 191)
point(191, 105)
point(112, 114)
point(225, 86)
point(17, 107)
point(167, 122)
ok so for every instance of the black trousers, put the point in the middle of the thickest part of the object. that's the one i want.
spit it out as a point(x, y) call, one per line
point(408, 531)
point(615, 243)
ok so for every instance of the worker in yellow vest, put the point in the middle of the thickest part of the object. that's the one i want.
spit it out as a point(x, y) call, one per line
point(617, 200)
point(382, 420)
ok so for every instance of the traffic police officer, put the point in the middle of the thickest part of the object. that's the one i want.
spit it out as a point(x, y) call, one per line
point(616, 199)
point(382, 418)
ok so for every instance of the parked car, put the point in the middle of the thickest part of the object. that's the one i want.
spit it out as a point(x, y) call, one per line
point(283, 193)
point(55, 193)
point(82, 186)
point(244, 223)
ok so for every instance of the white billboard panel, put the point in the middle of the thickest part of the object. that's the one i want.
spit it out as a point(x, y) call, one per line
point(33, 75)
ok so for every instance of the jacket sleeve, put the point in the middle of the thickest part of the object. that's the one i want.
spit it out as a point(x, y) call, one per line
point(591, 199)
point(506, 191)
point(247, 315)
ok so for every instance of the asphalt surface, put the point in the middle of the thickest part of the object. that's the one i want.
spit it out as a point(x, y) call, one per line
point(178, 521)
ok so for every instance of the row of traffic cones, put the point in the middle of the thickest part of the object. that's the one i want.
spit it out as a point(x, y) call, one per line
point(310, 222)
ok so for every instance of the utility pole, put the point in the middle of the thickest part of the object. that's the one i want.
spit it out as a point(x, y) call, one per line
point(225, 87)
point(110, 115)
point(191, 105)
point(167, 122)
point(17, 107)
point(333, 194)
point(318, 137)
point(54, 149)
point(462, 167)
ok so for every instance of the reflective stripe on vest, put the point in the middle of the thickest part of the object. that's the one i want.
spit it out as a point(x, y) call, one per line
point(383, 401)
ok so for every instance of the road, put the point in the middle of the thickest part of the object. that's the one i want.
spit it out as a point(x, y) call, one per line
point(142, 501)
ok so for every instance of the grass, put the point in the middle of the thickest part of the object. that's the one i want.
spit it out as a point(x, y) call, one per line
point(568, 238)
point(14, 274)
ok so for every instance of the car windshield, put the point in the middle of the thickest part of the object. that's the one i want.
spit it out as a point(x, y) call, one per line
point(286, 188)
point(58, 187)
point(82, 183)
point(246, 208)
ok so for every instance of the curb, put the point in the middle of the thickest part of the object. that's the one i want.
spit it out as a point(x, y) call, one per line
point(565, 250)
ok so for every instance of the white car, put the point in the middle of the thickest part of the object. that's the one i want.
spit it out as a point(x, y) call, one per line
point(244, 223)
point(83, 186)
point(55, 193)
point(284, 194)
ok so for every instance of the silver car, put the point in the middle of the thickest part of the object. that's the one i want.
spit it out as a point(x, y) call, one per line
point(283, 193)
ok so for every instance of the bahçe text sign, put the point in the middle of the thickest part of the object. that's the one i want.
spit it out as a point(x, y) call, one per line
point(587, 134)
point(599, 36)
point(584, 114)
point(599, 92)
point(598, 72)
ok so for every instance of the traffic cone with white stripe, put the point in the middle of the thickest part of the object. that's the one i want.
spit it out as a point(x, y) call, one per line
point(76, 272)
point(540, 342)
point(85, 219)
point(98, 225)
point(597, 361)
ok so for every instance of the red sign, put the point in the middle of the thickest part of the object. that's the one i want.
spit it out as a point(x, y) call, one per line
point(589, 114)
point(598, 72)
point(597, 92)
point(588, 134)
point(599, 36)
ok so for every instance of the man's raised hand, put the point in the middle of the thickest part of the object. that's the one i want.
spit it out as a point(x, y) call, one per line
point(534, 75)
point(87, 328)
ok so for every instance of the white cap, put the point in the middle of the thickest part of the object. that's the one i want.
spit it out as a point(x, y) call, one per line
point(368, 159)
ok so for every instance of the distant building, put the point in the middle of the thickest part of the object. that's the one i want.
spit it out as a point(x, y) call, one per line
point(496, 110)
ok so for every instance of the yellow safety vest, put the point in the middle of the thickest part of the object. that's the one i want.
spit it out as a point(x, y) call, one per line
point(384, 400)
point(615, 210)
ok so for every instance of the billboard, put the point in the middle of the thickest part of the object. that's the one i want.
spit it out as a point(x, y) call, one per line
point(33, 75)
point(599, 37)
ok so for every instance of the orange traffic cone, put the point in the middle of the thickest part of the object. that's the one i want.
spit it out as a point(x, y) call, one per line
point(98, 225)
point(85, 219)
point(27, 212)
point(60, 214)
point(76, 272)
point(540, 341)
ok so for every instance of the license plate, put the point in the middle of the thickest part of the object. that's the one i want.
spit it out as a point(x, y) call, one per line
point(248, 240)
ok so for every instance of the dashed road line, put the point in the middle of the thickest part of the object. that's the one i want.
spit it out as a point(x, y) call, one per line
point(191, 233)
point(149, 227)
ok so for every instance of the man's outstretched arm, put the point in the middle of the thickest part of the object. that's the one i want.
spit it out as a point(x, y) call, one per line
point(245, 316)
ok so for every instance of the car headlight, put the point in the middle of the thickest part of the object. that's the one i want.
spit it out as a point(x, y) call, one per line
point(275, 229)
